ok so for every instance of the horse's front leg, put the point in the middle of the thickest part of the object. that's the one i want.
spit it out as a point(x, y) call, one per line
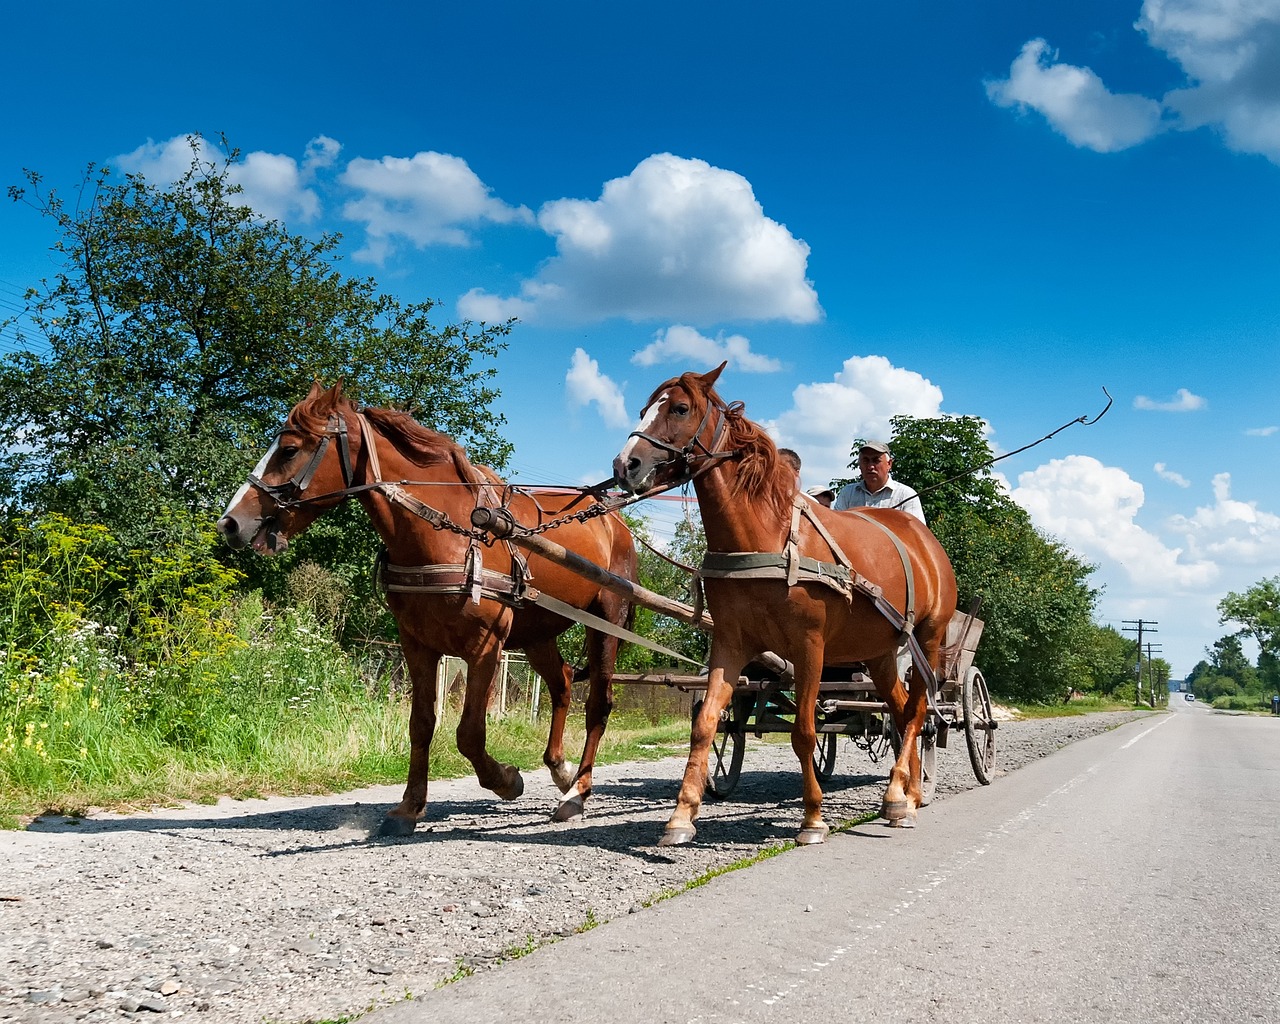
point(720, 682)
point(804, 739)
point(482, 671)
point(422, 664)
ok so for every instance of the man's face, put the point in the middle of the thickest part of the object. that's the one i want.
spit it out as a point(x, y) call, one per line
point(875, 468)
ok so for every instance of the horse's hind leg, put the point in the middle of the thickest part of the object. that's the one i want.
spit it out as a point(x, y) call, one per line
point(502, 779)
point(545, 659)
point(902, 796)
point(602, 653)
point(422, 664)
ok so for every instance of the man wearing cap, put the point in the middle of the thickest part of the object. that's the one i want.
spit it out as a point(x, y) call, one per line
point(877, 489)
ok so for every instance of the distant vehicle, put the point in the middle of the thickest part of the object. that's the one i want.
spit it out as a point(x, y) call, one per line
point(1189, 696)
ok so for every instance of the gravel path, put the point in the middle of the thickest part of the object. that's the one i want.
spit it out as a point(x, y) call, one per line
point(287, 910)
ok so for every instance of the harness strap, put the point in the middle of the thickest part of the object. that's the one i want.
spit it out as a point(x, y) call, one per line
point(909, 619)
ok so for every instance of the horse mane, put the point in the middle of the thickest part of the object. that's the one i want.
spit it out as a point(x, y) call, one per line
point(420, 445)
point(761, 474)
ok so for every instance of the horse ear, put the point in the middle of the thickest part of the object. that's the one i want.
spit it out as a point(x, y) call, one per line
point(337, 392)
point(316, 389)
point(711, 376)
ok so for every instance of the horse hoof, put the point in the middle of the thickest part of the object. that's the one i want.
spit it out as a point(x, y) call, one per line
point(894, 810)
point(570, 808)
point(908, 821)
point(678, 836)
point(512, 790)
point(395, 825)
point(812, 835)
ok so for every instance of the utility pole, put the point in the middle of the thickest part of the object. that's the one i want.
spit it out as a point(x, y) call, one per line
point(1138, 626)
point(1151, 672)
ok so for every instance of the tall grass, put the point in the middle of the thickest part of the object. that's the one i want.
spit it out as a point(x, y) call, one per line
point(160, 684)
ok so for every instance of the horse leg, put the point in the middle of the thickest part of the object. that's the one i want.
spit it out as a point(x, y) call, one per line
point(804, 738)
point(502, 779)
point(423, 664)
point(680, 828)
point(602, 652)
point(902, 796)
point(545, 659)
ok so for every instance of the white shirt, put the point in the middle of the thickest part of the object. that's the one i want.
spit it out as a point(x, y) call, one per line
point(891, 495)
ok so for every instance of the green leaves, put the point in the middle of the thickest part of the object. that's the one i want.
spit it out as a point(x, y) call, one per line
point(179, 331)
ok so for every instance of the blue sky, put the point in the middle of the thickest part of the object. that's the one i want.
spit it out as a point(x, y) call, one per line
point(994, 208)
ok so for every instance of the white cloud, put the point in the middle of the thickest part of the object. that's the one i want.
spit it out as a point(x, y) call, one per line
point(1167, 474)
point(1093, 509)
point(1230, 531)
point(675, 239)
point(587, 384)
point(859, 401)
point(425, 199)
point(1075, 102)
point(678, 343)
point(1261, 431)
point(1183, 401)
point(1228, 50)
point(275, 186)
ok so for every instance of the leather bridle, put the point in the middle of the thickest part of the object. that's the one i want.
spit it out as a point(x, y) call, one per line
point(289, 495)
point(696, 456)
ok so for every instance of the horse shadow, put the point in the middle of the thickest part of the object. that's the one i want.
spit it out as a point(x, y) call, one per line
point(624, 815)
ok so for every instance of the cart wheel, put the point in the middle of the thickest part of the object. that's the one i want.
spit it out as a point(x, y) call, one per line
point(824, 756)
point(724, 762)
point(979, 725)
point(928, 758)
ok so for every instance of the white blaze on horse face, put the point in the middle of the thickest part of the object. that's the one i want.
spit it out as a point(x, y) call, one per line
point(257, 471)
point(646, 424)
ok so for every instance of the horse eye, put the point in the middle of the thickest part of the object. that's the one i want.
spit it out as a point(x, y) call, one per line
point(681, 408)
point(288, 451)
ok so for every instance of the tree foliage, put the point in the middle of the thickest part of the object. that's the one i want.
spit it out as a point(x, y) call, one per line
point(1036, 600)
point(180, 329)
point(1257, 611)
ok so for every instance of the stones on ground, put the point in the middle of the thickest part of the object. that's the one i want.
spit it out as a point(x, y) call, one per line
point(293, 918)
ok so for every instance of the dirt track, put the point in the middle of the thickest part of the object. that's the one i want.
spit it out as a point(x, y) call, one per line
point(289, 909)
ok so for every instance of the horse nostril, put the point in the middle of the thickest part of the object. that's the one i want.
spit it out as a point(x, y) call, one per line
point(633, 464)
point(228, 527)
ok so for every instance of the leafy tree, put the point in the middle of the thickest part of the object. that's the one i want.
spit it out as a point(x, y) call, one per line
point(1258, 612)
point(1036, 601)
point(180, 329)
point(1108, 659)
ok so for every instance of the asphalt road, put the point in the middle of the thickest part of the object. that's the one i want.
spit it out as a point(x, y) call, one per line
point(1134, 876)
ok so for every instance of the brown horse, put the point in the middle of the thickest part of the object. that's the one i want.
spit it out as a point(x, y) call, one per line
point(450, 594)
point(786, 575)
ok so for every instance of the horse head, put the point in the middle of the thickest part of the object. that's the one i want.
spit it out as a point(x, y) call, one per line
point(681, 425)
point(306, 471)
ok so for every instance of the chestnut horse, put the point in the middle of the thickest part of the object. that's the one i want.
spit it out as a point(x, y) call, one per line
point(786, 575)
point(450, 594)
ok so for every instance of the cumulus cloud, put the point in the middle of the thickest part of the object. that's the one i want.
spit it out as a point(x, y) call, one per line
point(1093, 509)
point(425, 199)
point(858, 401)
point(681, 344)
point(1230, 50)
point(1165, 473)
point(1227, 49)
point(587, 385)
point(1231, 532)
point(1261, 431)
point(675, 239)
point(1075, 102)
point(276, 187)
point(1183, 401)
